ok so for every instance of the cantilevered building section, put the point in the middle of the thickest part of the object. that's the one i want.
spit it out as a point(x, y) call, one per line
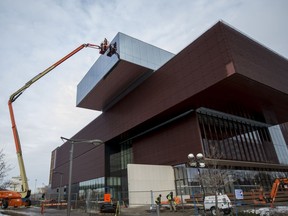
point(222, 91)
point(110, 79)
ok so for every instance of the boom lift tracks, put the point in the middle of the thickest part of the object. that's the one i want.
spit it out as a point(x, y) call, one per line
point(14, 198)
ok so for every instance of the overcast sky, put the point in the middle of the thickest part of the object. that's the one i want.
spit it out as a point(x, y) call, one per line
point(36, 33)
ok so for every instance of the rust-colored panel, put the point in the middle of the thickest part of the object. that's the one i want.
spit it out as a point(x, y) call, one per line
point(195, 77)
point(112, 85)
point(222, 70)
point(168, 145)
point(88, 163)
point(201, 75)
point(256, 61)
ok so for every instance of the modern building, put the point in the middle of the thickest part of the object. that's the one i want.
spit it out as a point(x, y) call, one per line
point(222, 91)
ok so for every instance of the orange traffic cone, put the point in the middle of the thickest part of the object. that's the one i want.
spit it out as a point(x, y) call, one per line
point(42, 208)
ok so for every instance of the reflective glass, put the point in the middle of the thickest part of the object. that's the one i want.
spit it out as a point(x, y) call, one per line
point(279, 144)
point(237, 138)
point(129, 49)
point(188, 180)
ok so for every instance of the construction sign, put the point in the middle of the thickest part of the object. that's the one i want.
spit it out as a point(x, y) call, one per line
point(239, 194)
point(107, 197)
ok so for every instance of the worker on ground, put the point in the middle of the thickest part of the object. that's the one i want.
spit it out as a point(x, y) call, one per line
point(170, 198)
point(158, 200)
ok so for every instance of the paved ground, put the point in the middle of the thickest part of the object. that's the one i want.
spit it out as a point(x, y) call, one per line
point(166, 212)
point(33, 211)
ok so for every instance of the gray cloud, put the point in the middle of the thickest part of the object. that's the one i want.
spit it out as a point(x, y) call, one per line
point(35, 34)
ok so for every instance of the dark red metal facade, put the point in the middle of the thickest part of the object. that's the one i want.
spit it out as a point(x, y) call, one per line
point(220, 69)
point(168, 145)
point(223, 70)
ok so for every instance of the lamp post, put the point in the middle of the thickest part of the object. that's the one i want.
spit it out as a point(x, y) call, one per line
point(35, 189)
point(95, 142)
point(197, 162)
point(59, 192)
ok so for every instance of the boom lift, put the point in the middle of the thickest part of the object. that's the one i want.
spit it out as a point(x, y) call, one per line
point(273, 193)
point(277, 182)
point(14, 198)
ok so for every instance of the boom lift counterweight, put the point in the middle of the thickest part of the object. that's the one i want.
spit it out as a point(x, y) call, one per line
point(13, 198)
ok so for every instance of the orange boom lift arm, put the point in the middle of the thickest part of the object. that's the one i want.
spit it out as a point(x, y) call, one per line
point(24, 187)
point(25, 193)
point(277, 182)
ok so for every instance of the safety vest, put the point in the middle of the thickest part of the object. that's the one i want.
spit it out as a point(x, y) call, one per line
point(169, 197)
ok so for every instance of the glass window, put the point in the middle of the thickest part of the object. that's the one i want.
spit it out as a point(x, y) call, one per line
point(237, 138)
point(119, 160)
point(279, 144)
point(188, 180)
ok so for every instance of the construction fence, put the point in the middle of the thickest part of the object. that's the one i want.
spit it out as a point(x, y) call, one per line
point(187, 199)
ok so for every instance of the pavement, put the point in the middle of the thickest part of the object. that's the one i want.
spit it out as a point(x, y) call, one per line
point(134, 211)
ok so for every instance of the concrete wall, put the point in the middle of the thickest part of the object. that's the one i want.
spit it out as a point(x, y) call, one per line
point(142, 179)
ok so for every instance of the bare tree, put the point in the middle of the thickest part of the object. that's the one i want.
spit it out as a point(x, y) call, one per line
point(4, 169)
point(215, 177)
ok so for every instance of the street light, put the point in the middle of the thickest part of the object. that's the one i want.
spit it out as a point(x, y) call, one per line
point(197, 162)
point(95, 142)
point(35, 189)
point(59, 192)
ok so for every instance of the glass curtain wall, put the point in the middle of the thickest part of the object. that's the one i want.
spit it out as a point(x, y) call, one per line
point(188, 181)
point(118, 170)
point(240, 139)
point(279, 143)
point(235, 138)
point(93, 189)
